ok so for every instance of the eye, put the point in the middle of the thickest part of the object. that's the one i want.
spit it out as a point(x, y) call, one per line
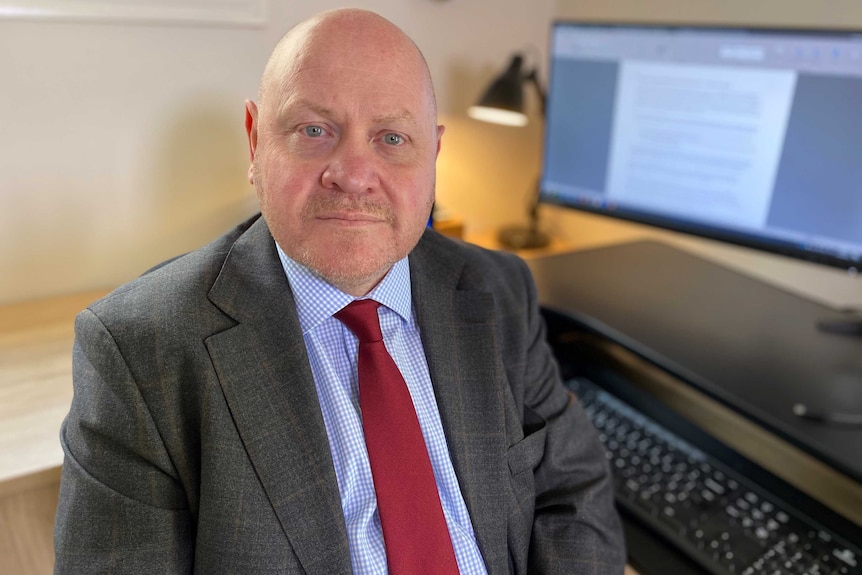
point(313, 131)
point(393, 139)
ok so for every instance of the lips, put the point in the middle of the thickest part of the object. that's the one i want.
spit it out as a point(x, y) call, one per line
point(350, 217)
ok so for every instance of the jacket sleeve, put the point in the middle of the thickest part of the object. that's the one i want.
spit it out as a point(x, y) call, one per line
point(121, 509)
point(576, 528)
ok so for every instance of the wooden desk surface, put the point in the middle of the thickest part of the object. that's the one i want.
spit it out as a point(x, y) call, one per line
point(35, 386)
point(489, 240)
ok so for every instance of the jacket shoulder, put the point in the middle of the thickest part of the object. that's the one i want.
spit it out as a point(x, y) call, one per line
point(171, 289)
point(474, 266)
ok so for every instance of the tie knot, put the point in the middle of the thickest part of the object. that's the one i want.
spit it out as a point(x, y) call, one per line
point(360, 317)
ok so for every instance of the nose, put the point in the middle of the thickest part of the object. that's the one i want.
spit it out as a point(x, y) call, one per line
point(351, 166)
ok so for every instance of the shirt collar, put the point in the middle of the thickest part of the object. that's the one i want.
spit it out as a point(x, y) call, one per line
point(317, 300)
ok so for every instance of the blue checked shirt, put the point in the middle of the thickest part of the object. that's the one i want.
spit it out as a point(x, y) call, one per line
point(332, 351)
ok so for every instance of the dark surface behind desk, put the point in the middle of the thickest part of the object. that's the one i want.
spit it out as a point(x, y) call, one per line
point(751, 346)
point(726, 352)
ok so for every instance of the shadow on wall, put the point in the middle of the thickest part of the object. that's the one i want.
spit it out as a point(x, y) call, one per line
point(195, 187)
point(85, 221)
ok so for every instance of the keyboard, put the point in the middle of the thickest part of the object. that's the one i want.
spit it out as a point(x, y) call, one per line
point(717, 517)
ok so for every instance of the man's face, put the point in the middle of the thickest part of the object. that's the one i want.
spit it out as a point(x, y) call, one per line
point(343, 159)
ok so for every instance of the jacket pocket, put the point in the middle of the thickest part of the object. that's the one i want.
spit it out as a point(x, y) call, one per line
point(523, 458)
point(527, 453)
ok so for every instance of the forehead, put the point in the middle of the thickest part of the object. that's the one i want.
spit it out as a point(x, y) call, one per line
point(370, 71)
point(343, 93)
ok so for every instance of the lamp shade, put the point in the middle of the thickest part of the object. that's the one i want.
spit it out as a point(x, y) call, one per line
point(503, 101)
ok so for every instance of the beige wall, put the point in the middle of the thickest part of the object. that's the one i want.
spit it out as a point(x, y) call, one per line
point(830, 286)
point(123, 144)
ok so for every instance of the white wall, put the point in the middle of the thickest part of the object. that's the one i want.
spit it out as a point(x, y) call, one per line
point(122, 144)
point(827, 285)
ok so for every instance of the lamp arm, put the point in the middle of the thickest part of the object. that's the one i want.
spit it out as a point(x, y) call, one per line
point(533, 211)
point(533, 78)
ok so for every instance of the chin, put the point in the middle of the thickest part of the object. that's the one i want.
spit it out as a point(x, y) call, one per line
point(351, 263)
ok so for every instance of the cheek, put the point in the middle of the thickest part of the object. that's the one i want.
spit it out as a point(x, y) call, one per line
point(422, 190)
point(410, 184)
point(286, 185)
point(411, 197)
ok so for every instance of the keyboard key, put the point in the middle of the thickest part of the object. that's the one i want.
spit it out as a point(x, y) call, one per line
point(668, 516)
point(714, 486)
point(846, 556)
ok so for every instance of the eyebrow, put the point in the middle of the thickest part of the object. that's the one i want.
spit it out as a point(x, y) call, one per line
point(304, 103)
point(404, 115)
point(388, 118)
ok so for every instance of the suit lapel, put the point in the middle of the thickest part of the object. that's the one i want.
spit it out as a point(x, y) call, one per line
point(263, 369)
point(457, 324)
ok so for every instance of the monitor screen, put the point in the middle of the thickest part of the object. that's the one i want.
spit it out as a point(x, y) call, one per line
point(747, 136)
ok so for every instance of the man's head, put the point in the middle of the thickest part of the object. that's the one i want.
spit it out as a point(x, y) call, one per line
point(344, 142)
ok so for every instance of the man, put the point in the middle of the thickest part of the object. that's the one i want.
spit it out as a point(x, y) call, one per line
point(216, 425)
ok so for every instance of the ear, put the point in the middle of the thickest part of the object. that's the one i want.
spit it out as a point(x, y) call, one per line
point(440, 130)
point(251, 131)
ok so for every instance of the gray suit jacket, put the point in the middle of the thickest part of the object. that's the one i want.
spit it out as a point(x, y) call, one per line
point(195, 441)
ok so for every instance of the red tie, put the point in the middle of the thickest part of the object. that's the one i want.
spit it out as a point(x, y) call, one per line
point(414, 530)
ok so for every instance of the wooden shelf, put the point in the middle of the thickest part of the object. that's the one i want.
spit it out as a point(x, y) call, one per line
point(35, 386)
point(35, 394)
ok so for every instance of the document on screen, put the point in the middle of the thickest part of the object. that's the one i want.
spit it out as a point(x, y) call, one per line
point(703, 141)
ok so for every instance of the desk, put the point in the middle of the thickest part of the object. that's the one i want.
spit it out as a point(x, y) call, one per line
point(489, 240)
point(35, 394)
point(35, 384)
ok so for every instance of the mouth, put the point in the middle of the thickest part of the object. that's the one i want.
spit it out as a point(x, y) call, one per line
point(350, 218)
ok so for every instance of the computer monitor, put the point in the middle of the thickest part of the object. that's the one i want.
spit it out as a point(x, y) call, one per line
point(750, 136)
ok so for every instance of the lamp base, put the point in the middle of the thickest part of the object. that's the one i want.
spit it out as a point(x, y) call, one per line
point(522, 238)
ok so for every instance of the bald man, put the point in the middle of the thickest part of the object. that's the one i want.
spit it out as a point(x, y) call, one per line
point(216, 425)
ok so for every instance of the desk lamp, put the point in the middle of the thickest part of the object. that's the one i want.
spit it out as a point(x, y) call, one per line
point(503, 103)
